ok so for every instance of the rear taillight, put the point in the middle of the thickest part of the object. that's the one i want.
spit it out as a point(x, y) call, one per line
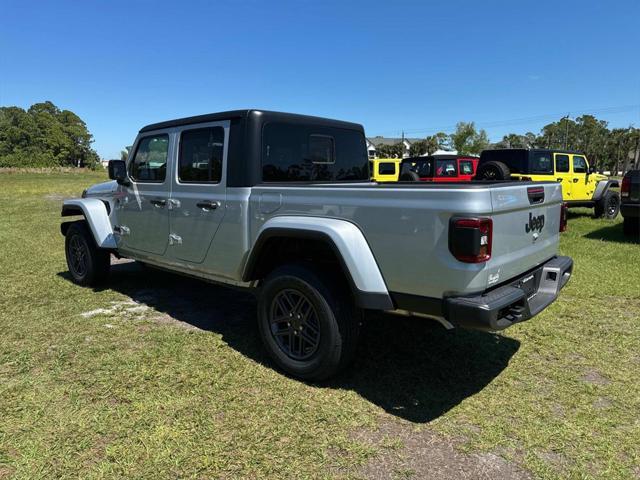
point(470, 239)
point(564, 209)
point(626, 186)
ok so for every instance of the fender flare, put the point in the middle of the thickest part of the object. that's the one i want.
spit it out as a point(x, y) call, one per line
point(603, 187)
point(95, 212)
point(349, 245)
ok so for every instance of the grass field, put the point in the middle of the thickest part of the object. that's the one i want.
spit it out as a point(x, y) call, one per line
point(161, 376)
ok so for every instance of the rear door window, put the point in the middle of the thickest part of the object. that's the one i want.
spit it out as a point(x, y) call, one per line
point(149, 163)
point(446, 168)
point(200, 158)
point(562, 163)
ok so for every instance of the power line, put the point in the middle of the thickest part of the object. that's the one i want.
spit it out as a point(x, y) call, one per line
point(524, 120)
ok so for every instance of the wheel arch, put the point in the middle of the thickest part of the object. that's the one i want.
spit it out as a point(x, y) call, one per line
point(343, 239)
point(95, 213)
point(603, 187)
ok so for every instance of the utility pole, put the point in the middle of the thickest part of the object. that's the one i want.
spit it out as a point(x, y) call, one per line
point(566, 131)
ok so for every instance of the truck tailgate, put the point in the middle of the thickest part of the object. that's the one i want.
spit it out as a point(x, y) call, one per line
point(526, 224)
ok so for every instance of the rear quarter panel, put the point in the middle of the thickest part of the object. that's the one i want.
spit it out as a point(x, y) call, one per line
point(406, 228)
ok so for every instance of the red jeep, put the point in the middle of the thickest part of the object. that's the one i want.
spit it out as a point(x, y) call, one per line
point(438, 168)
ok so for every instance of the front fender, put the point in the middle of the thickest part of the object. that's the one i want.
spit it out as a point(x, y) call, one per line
point(95, 212)
point(603, 187)
point(349, 244)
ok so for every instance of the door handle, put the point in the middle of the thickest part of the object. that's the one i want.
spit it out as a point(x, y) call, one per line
point(158, 202)
point(575, 180)
point(208, 205)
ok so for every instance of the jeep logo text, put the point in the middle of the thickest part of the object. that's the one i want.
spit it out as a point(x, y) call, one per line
point(535, 223)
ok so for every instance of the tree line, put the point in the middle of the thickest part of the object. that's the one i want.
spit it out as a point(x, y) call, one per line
point(614, 150)
point(44, 136)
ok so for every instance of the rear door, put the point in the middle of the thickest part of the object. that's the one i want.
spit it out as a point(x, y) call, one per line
point(526, 228)
point(563, 174)
point(197, 203)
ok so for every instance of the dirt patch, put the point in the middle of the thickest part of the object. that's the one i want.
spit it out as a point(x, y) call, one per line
point(423, 454)
point(554, 459)
point(55, 197)
point(128, 308)
point(594, 377)
point(6, 472)
point(602, 403)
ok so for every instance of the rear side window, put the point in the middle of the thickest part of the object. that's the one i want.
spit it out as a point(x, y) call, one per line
point(579, 164)
point(200, 158)
point(562, 163)
point(466, 167)
point(540, 163)
point(298, 153)
point(149, 162)
point(387, 168)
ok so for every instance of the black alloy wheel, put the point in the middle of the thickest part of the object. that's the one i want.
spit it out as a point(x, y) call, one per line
point(294, 324)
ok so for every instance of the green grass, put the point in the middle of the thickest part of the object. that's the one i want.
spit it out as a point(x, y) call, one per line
point(136, 391)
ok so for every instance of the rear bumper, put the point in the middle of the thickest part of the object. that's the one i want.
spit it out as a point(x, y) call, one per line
point(630, 210)
point(519, 300)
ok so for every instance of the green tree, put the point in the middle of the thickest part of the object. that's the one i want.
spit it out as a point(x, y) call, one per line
point(44, 136)
point(467, 140)
point(390, 151)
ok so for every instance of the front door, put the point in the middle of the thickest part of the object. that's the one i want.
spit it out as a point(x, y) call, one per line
point(581, 186)
point(142, 214)
point(563, 174)
point(197, 203)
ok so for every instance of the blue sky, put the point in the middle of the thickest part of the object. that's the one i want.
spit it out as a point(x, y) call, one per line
point(392, 66)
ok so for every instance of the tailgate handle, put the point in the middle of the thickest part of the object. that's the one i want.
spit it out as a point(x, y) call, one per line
point(535, 194)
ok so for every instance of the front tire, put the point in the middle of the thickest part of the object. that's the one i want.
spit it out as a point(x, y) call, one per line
point(608, 206)
point(308, 322)
point(88, 264)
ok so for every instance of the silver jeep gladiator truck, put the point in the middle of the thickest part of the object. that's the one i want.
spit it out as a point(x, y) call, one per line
point(282, 204)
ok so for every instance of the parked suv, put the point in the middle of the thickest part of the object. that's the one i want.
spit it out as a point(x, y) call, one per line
point(630, 207)
point(283, 205)
point(385, 169)
point(581, 186)
point(438, 168)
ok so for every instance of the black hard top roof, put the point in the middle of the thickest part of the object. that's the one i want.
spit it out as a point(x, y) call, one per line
point(550, 150)
point(263, 115)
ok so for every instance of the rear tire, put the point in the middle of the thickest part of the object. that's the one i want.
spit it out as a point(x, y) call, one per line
point(608, 206)
point(409, 177)
point(308, 321)
point(493, 171)
point(631, 227)
point(88, 264)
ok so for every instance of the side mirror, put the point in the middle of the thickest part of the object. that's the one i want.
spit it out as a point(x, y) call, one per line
point(592, 169)
point(118, 171)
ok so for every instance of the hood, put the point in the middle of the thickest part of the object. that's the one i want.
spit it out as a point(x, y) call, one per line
point(101, 188)
point(598, 177)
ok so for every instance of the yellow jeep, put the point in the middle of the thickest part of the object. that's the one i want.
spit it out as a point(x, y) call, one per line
point(385, 169)
point(581, 185)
